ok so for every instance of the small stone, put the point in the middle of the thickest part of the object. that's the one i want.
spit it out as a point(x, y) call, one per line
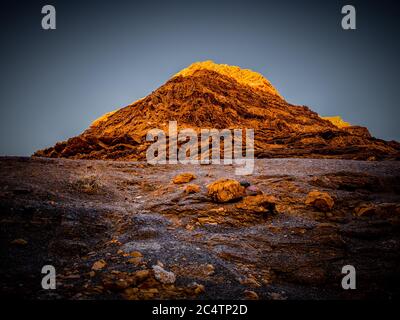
point(365, 210)
point(192, 188)
point(136, 254)
point(98, 265)
point(251, 295)
point(20, 242)
point(115, 241)
point(163, 276)
point(209, 269)
point(320, 200)
point(253, 191)
point(250, 281)
point(225, 190)
point(184, 178)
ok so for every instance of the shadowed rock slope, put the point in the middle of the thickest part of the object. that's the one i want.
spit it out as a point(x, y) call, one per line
point(208, 95)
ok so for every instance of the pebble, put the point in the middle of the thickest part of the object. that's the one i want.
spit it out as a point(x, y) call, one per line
point(163, 276)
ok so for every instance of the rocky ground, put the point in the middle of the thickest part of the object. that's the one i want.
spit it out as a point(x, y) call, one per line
point(125, 230)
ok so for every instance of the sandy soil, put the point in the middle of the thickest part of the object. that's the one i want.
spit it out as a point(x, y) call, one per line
point(74, 213)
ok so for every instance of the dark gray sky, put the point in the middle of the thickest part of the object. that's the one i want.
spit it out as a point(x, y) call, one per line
point(106, 54)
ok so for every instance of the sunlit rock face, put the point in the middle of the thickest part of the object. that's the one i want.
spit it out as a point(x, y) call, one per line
point(207, 95)
point(242, 76)
point(337, 121)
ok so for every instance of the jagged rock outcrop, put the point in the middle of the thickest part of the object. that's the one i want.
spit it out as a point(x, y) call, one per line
point(208, 95)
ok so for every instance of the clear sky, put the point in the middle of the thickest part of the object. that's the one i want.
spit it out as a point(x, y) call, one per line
point(106, 54)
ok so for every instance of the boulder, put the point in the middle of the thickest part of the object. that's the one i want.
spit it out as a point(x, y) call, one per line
point(322, 201)
point(225, 190)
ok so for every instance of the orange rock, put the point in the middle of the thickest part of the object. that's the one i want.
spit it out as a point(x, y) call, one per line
point(251, 295)
point(365, 209)
point(98, 265)
point(320, 200)
point(20, 242)
point(250, 281)
point(136, 254)
point(184, 178)
point(337, 121)
point(225, 190)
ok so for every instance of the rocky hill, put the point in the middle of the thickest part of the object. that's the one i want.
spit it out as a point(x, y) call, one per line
point(209, 95)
